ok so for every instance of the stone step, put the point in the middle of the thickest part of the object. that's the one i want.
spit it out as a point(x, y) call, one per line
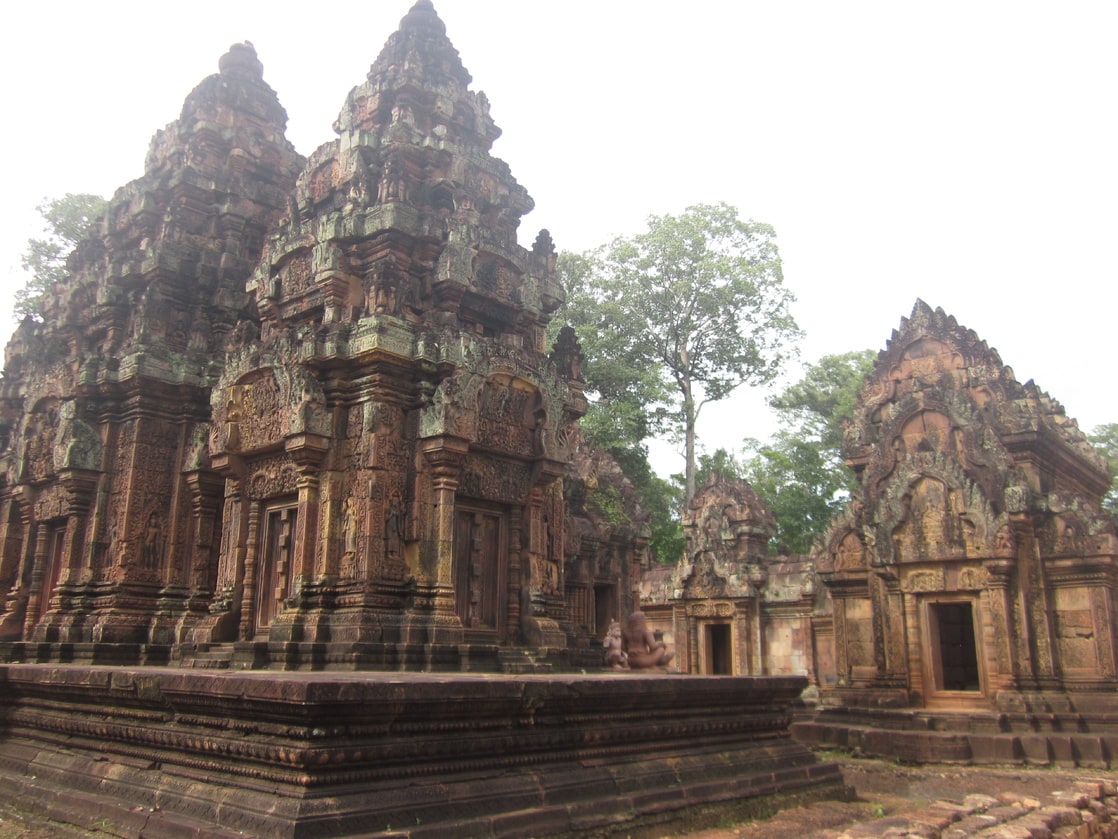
point(518, 660)
point(208, 657)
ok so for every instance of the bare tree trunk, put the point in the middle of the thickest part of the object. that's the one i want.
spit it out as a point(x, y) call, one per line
point(689, 442)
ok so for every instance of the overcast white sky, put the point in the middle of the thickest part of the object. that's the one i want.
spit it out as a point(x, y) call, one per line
point(965, 153)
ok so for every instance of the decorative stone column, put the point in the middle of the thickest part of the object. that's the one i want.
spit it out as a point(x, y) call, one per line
point(308, 451)
point(205, 501)
point(38, 573)
point(251, 572)
point(446, 456)
point(18, 596)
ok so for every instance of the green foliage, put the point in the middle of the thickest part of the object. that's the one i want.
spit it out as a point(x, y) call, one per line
point(658, 497)
point(800, 483)
point(817, 404)
point(66, 221)
point(607, 500)
point(799, 472)
point(722, 462)
point(676, 317)
point(1105, 439)
point(666, 541)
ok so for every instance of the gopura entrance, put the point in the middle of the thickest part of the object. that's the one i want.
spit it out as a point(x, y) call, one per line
point(974, 566)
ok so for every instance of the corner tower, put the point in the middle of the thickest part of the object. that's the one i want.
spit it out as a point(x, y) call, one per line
point(108, 535)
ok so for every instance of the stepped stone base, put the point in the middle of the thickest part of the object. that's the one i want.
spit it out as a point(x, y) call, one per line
point(166, 752)
point(1059, 730)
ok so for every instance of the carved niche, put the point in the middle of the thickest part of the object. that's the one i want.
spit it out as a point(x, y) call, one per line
point(39, 432)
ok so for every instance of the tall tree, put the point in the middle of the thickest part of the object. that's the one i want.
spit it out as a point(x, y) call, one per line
point(66, 221)
point(681, 315)
point(800, 472)
point(620, 415)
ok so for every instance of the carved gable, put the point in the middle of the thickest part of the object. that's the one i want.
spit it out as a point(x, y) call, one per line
point(976, 530)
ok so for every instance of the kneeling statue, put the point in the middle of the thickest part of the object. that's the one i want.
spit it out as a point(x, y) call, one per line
point(615, 651)
point(644, 649)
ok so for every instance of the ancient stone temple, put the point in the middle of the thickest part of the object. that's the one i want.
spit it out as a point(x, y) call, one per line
point(728, 606)
point(301, 415)
point(974, 570)
point(302, 412)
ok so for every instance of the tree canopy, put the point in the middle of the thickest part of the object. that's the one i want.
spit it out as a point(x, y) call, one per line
point(1105, 439)
point(66, 221)
point(676, 317)
point(799, 472)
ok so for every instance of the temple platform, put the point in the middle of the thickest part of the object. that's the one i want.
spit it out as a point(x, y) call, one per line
point(169, 752)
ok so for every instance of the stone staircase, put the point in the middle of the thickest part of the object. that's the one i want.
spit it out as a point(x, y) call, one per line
point(207, 657)
point(519, 660)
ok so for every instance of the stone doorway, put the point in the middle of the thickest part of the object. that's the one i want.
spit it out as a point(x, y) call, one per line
point(954, 650)
point(605, 609)
point(718, 643)
point(275, 562)
point(480, 549)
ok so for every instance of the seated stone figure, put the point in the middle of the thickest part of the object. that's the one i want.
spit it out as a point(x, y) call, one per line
point(615, 652)
point(643, 648)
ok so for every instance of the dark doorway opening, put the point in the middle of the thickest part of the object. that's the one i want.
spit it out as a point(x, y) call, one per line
point(957, 660)
point(605, 609)
point(720, 661)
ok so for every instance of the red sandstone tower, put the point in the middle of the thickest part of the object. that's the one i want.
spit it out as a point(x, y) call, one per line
point(303, 413)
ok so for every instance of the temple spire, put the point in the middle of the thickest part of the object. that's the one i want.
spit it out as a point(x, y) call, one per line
point(420, 47)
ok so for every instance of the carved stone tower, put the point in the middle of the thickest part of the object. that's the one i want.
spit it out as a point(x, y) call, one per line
point(104, 537)
point(301, 413)
point(392, 438)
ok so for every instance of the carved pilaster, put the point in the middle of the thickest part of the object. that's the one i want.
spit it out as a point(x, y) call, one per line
point(446, 456)
point(1001, 663)
point(310, 553)
point(79, 486)
point(517, 583)
point(251, 573)
point(205, 503)
point(37, 602)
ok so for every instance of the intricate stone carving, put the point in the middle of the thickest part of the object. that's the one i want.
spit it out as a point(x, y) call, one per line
point(969, 481)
